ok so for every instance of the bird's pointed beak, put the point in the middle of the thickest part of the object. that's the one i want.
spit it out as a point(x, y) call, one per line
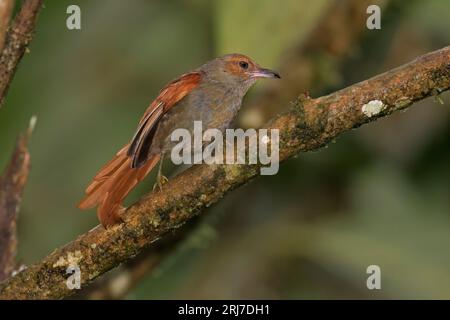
point(265, 73)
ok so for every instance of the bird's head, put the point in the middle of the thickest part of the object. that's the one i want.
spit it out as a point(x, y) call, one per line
point(237, 69)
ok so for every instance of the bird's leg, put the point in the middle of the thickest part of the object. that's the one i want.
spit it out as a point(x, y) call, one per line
point(160, 178)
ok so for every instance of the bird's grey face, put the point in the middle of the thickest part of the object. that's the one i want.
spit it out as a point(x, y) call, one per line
point(237, 70)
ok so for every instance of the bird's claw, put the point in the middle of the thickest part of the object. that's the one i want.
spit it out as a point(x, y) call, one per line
point(160, 181)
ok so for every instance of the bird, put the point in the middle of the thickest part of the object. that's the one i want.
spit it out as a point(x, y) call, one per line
point(212, 94)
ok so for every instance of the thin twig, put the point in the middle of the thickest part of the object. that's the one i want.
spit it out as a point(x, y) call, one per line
point(309, 125)
point(6, 8)
point(12, 183)
point(17, 40)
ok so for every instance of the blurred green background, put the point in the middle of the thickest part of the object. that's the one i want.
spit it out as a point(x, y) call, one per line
point(379, 195)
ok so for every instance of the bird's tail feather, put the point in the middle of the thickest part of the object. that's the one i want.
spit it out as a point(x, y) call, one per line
point(112, 184)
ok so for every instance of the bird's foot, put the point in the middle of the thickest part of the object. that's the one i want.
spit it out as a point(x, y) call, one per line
point(160, 181)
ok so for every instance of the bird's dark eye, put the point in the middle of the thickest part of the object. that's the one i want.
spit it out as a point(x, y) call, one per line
point(243, 65)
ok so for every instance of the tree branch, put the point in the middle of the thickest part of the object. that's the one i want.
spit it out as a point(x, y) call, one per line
point(309, 125)
point(12, 183)
point(17, 40)
point(116, 285)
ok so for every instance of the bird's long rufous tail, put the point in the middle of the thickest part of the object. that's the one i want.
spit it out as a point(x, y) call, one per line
point(112, 184)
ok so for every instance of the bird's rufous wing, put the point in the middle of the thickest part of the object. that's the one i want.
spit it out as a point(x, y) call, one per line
point(167, 98)
point(118, 177)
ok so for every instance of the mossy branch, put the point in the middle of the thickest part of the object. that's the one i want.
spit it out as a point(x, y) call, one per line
point(16, 43)
point(309, 125)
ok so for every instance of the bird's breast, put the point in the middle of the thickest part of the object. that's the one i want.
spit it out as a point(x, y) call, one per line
point(214, 105)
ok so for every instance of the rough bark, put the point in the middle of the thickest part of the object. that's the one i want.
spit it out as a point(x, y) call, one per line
point(16, 43)
point(6, 8)
point(12, 183)
point(116, 285)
